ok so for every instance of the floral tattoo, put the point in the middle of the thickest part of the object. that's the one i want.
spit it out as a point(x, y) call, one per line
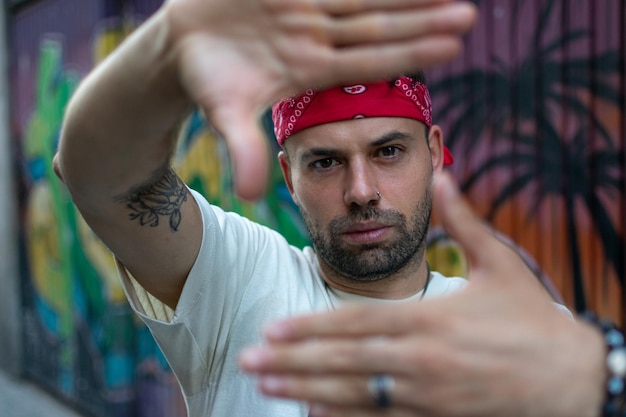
point(161, 198)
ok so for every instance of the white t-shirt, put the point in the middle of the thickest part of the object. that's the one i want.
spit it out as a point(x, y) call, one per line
point(245, 276)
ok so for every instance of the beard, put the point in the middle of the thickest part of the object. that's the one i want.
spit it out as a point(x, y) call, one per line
point(373, 261)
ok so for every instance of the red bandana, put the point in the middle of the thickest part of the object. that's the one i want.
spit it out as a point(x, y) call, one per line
point(405, 98)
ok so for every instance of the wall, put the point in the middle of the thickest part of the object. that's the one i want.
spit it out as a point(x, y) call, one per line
point(534, 111)
point(10, 342)
point(81, 339)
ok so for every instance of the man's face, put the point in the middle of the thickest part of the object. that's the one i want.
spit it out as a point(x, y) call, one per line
point(335, 171)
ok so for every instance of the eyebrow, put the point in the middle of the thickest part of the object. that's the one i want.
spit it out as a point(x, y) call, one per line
point(391, 136)
point(394, 135)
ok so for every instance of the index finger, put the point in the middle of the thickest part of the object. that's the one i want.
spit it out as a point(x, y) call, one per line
point(354, 320)
point(356, 6)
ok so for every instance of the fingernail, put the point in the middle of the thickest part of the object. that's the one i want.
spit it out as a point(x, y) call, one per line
point(252, 358)
point(278, 331)
point(272, 384)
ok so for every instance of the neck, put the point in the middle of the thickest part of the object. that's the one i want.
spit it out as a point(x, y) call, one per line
point(403, 284)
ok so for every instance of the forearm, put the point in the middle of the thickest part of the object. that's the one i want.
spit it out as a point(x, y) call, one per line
point(120, 126)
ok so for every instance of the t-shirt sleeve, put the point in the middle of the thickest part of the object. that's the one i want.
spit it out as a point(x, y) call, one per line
point(193, 336)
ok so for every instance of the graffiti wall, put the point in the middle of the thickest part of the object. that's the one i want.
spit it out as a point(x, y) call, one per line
point(534, 111)
point(80, 338)
point(82, 341)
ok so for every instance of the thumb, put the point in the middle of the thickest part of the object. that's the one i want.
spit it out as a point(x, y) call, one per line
point(460, 221)
point(248, 148)
point(490, 259)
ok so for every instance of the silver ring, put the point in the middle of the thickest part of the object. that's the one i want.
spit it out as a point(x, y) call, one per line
point(378, 194)
point(379, 387)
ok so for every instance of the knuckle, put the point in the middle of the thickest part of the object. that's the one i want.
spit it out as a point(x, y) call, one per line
point(346, 357)
point(380, 26)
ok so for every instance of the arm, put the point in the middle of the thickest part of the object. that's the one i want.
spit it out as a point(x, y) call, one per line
point(117, 138)
point(497, 348)
point(232, 58)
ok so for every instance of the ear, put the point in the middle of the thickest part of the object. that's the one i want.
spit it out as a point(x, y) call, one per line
point(285, 167)
point(435, 143)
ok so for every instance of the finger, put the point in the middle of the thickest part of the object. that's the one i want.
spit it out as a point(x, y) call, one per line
point(382, 26)
point(343, 390)
point(331, 355)
point(463, 225)
point(248, 149)
point(330, 389)
point(374, 61)
point(326, 410)
point(352, 321)
point(343, 354)
point(345, 7)
point(377, 27)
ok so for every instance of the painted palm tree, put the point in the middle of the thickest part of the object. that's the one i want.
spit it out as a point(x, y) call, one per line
point(503, 97)
point(566, 169)
point(516, 104)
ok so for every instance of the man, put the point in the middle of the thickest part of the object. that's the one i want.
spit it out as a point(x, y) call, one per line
point(204, 280)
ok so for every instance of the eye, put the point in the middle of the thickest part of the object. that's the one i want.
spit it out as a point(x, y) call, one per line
point(389, 151)
point(324, 163)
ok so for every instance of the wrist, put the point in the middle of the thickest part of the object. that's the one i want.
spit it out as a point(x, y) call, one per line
point(614, 383)
point(162, 49)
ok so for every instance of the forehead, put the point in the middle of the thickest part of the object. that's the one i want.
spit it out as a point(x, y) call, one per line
point(355, 133)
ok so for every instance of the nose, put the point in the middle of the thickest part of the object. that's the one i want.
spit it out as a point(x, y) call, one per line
point(361, 185)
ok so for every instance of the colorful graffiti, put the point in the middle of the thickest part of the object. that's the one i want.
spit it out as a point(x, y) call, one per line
point(81, 338)
point(76, 297)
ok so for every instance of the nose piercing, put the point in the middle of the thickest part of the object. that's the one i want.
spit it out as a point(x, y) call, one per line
point(378, 194)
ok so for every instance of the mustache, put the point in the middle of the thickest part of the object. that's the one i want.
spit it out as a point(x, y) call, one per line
point(365, 213)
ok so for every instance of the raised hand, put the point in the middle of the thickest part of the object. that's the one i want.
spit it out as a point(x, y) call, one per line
point(498, 348)
point(236, 57)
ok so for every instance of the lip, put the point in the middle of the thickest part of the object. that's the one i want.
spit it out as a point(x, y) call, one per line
point(366, 232)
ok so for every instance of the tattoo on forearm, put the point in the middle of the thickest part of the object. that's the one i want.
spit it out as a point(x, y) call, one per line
point(161, 198)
